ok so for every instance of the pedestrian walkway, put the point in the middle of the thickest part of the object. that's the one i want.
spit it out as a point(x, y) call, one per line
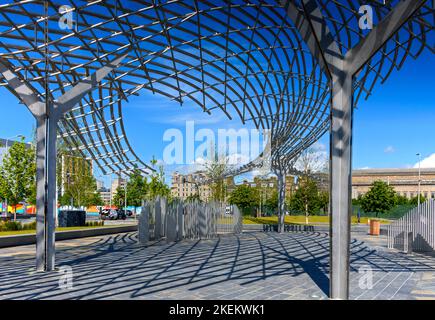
point(253, 265)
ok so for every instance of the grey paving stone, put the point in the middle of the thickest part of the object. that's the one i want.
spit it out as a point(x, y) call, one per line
point(253, 266)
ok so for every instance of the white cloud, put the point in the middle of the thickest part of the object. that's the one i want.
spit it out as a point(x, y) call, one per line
point(428, 162)
point(183, 116)
point(389, 149)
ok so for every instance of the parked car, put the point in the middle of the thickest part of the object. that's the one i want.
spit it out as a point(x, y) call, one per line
point(120, 214)
point(113, 214)
point(104, 213)
point(129, 213)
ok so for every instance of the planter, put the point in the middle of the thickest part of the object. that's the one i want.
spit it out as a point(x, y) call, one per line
point(375, 227)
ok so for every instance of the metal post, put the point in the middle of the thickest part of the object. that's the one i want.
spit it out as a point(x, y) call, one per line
point(340, 186)
point(6, 199)
point(419, 181)
point(125, 196)
point(47, 115)
point(110, 200)
point(40, 194)
point(50, 198)
point(281, 201)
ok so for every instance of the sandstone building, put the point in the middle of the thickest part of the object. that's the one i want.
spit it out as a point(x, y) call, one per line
point(190, 184)
point(404, 181)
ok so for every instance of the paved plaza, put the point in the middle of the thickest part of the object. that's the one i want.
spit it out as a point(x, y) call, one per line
point(253, 265)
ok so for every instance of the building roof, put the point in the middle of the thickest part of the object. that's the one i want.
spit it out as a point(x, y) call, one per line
point(392, 171)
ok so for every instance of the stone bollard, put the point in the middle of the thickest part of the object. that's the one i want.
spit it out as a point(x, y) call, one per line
point(143, 225)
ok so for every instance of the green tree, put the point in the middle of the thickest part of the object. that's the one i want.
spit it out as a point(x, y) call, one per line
point(357, 201)
point(137, 190)
point(95, 199)
point(80, 186)
point(402, 200)
point(156, 185)
point(215, 170)
point(380, 198)
point(414, 200)
point(306, 197)
point(324, 201)
point(18, 175)
point(244, 197)
point(271, 203)
point(193, 198)
point(119, 197)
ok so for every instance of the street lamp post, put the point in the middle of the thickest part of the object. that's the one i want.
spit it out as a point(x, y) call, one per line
point(419, 180)
point(6, 152)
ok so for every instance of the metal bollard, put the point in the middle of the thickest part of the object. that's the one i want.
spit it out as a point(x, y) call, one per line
point(409, 243)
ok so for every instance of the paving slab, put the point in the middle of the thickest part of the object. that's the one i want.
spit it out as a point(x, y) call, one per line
point(253, 265)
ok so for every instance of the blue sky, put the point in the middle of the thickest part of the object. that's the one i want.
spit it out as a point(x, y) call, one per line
point(395, 123)
point(398, 120)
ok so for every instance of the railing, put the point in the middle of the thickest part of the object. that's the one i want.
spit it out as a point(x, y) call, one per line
point(187, 220)
point(415, 231)
point(207, 220)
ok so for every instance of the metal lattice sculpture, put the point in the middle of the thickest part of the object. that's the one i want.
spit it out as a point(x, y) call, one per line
point(289, 66)
point(354, 60)
point(242, 58)
point(342, 19)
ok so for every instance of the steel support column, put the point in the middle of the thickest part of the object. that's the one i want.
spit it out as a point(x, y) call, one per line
point(51, 163)
point(40, 192)
point(340, 187)
point(46, 205)
point(281, 201)
point(341, 68)
point(47, 116)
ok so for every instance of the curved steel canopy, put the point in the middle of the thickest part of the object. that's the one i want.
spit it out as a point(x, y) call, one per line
point(245, 58)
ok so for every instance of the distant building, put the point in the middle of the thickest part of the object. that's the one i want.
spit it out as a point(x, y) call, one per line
point(106, 195)
point(404, 181)
point(269, 184)
point(190, 184)
point(116, 183)
point(100, 184)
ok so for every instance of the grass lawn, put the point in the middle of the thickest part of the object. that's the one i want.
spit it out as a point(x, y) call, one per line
point(300, 220)
point(20, 232)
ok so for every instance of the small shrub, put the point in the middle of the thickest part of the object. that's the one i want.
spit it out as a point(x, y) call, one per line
point(13, 226)
point(29, 226)
point(94, 223)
